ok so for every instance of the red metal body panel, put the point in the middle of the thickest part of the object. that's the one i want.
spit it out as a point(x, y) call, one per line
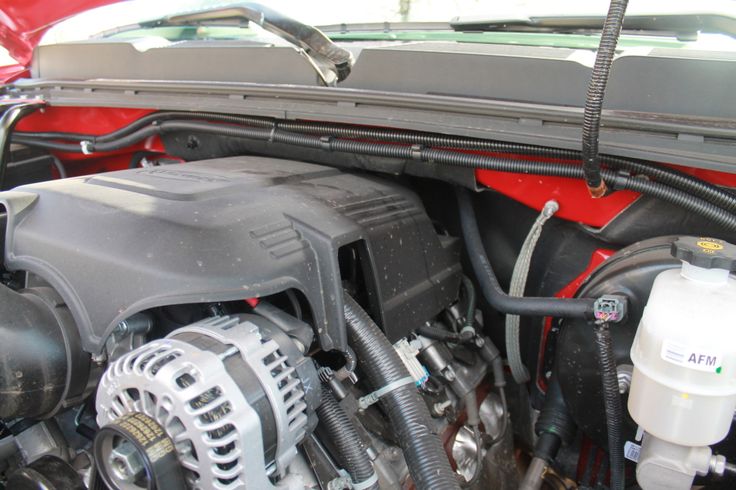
point(572, 194)
point(11, 73)
point(24, 22)
point(90, 120)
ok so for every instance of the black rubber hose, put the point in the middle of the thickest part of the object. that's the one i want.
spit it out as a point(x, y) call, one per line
point(471, 301)
point(407, 412)
point(554, 424)
point(437, 156)
point(612, 403)
point(554, 427)
point(344, 436)
point(149, 119)
point(594, 100)
point(491, 289)
point(444, 335)
point(671, 177)
point(691, 203)
point(618, 181)
point(10, 117)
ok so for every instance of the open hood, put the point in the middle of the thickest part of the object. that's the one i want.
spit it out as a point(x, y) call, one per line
point(23, 23)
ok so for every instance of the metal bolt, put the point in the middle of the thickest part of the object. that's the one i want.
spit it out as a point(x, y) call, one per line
point(99, 358)
point(125, 463)
point(624, 373)
point(394, 453)
point(718, 464)
point(121, 329)
point(440, 407)
point(449, 373)
point(340, 483)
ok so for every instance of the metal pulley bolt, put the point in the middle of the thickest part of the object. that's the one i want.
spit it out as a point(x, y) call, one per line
point(135, 452)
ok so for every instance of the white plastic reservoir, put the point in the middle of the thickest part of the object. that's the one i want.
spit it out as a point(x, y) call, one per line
point(684, 383)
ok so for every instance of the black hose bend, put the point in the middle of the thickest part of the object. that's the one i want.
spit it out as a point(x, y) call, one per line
point(343, 434)
point(8, 120)
point(594, 100)
point(442, 335)
point(612, 403)
point(471, 301)
point(697, 187)
point(618, 181)
point(149, 119)
point(407, 412)
point(491, 289)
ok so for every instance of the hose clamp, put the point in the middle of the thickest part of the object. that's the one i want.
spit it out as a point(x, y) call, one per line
point(371, 398)
point(416, 152)
point(325, 142)
point(367, 483)
point(86, 147)
point(345, 481)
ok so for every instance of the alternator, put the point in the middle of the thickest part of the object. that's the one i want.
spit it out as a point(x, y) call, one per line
point(234, 395)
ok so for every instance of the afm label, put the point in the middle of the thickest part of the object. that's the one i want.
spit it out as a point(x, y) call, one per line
point(700, 359)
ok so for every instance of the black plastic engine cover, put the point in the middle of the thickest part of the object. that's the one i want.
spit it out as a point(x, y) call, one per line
point(219, 230)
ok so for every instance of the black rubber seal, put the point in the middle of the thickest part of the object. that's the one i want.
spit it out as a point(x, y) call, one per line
point(156, 449)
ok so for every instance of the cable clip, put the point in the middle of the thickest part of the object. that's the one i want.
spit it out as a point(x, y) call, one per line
point(326, 142)
point(86, 147)
point(371, 398)
point(367, 483)
point(344, 481)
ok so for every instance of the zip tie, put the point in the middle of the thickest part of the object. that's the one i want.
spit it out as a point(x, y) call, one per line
point(86, 147)
point(416, 152)
point(371, 398)
point(272, 134)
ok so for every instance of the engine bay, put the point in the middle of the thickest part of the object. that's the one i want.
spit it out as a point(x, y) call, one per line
point(292, 284)
point(263, 306)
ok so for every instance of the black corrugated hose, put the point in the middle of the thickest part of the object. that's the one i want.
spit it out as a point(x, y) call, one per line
point(612, 403)
point(594, 100)
point(692, 185)
point(407, 412)
point(345, 437)
point(618, 181)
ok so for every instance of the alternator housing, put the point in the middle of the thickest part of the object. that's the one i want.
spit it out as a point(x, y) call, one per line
point(233, 393)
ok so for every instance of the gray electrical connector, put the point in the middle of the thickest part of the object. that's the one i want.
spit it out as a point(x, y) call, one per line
point(609, 309)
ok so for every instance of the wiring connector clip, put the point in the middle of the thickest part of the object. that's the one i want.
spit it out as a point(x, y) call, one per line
point(610, 308)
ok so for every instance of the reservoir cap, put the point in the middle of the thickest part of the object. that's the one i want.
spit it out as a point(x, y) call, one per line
point(708, 253)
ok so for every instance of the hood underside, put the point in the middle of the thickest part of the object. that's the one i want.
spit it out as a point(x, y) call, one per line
point(23, 24)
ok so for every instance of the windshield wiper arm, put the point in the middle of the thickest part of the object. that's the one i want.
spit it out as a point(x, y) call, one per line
point(332, 63)
point(681, 25)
